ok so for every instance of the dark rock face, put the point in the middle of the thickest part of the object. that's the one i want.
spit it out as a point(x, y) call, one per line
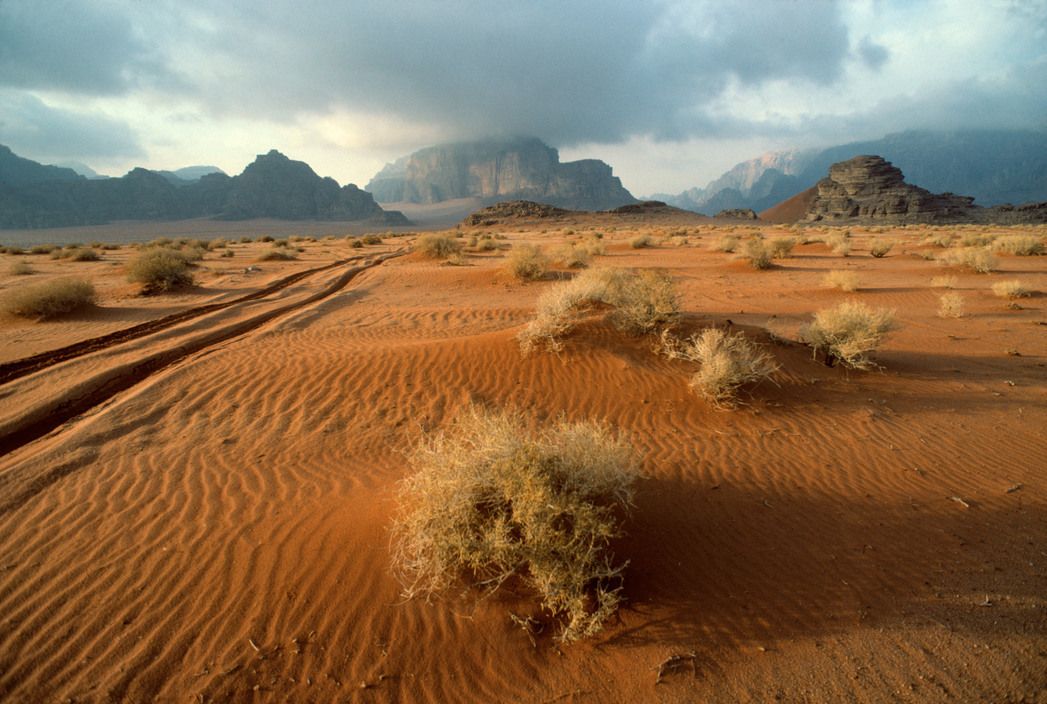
point(514, 210)
point(16, 171)
point(273, 186)
point(518, 169)
point(871, 188)
point(737, 214)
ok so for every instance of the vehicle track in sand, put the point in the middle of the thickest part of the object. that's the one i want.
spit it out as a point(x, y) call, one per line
point(65, 406)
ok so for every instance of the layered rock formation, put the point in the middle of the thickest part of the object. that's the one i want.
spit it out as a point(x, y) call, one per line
point(273, 186)
point(518, 169)
point(870, 188)
point(737, 214)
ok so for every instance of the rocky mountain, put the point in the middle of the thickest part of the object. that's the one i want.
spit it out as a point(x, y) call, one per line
point(494, 170)
point(870, 188)
point(993, 166)
point(273, 186)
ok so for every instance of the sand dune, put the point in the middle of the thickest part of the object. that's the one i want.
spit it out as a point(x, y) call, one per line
point(214, 526)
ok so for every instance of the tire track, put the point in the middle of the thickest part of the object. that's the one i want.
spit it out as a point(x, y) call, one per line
point(10, 371)
point(101, 388)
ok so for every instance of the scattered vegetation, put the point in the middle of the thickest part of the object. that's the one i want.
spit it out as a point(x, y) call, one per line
point(880, 247)
point(847, 333)
point(758, 253)
point(979, 259)
point(727, 362)
point(839, 243)
point(20, 267)
point(938, 239)
point(781, 247)
point(944, 282)
point(725, 243)
point(527, 262)
point(276, 254)
point(1013, 288)
point(490, 500)
point(950, 305)
point(841, 279)
point(574, 256)
point(641, 241)
point(48, 299)
point(1019, 245)
point(160, 269)
point(640, 302)
point(371, 239)
point(437, 246)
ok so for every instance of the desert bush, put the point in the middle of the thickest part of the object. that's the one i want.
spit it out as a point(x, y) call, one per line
point(641, 241)
point(1019, 245)
point(938, 239)
point(489, 500)
point(758, 253)
point(82, 255)
point(726, 361)
point(356, 243)
point(227, 253)
point(217, 244)
point(48, 299)
point(944, 282)
point(277, 254)
point(880, 247)
point(975, 239)
point(781, 247)
point(160, 242)
point(1013, 288)
point(372, 239)
point(839, 243)
point(42, 249)
point(573, 256)
point(978, 259)
point(245, 240)
point(160, 269)
point(595, 247)
point(847, 333)
point(527, 262)
point(20, 268)
point(950, 305)
point(437, 246)
point(725, 243)
point(640, 302)
point(841, 279)
point(678, 241)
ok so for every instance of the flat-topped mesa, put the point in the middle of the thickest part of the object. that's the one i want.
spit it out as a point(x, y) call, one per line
point(871, 188)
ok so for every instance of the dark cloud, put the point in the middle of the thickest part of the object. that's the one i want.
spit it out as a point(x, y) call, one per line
point(569, 72)
point(31, 128)
point(872, 54)
point(77, 47)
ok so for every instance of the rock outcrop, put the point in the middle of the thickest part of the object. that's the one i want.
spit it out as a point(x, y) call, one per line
point(493, 170)
point(871, 188)
point(737, 214)
point(273, 186)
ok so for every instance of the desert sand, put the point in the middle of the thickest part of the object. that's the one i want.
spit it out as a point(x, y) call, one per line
point(199, 510)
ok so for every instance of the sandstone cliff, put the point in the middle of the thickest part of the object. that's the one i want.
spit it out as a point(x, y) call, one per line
point(493, 170)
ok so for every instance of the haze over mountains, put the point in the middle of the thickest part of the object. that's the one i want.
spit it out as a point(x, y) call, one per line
point(33, 195)
point(992, 166)
point(522, 168)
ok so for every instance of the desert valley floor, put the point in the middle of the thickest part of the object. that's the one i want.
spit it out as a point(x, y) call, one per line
point(200, 511)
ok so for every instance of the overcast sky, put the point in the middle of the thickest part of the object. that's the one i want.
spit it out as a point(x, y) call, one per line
point(671, 94)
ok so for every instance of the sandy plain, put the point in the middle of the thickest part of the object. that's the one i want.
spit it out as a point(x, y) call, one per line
point(199, 510)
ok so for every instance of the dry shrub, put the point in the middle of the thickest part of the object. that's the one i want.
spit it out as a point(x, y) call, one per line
point(42, 249)
point(725, 243)
point(217, 244)
point(1013, 288)
point(880, 247)
point(527, 262)
point(847, 333)
point(640, 301)
point(950, 305)
point(944, 282)
point(975, 239)
point(437, 246)
point(20, 268)
point(841, 279)
point(573, 256)
point(727, 363)
point(490, 501)
point(758, 253)
point(677, 241)
point(48, 299)
point(594, 246)
point(938, 239)
point(839, 243)
point(160, 269)
point(978, 259)
point(1019, 245)
point(276, 255)
point(782, 247)
point(366, 239)
point(641, 241)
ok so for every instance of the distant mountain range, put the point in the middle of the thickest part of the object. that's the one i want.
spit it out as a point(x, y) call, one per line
point(33, 195)
point(499, 170)
point(993, 166)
